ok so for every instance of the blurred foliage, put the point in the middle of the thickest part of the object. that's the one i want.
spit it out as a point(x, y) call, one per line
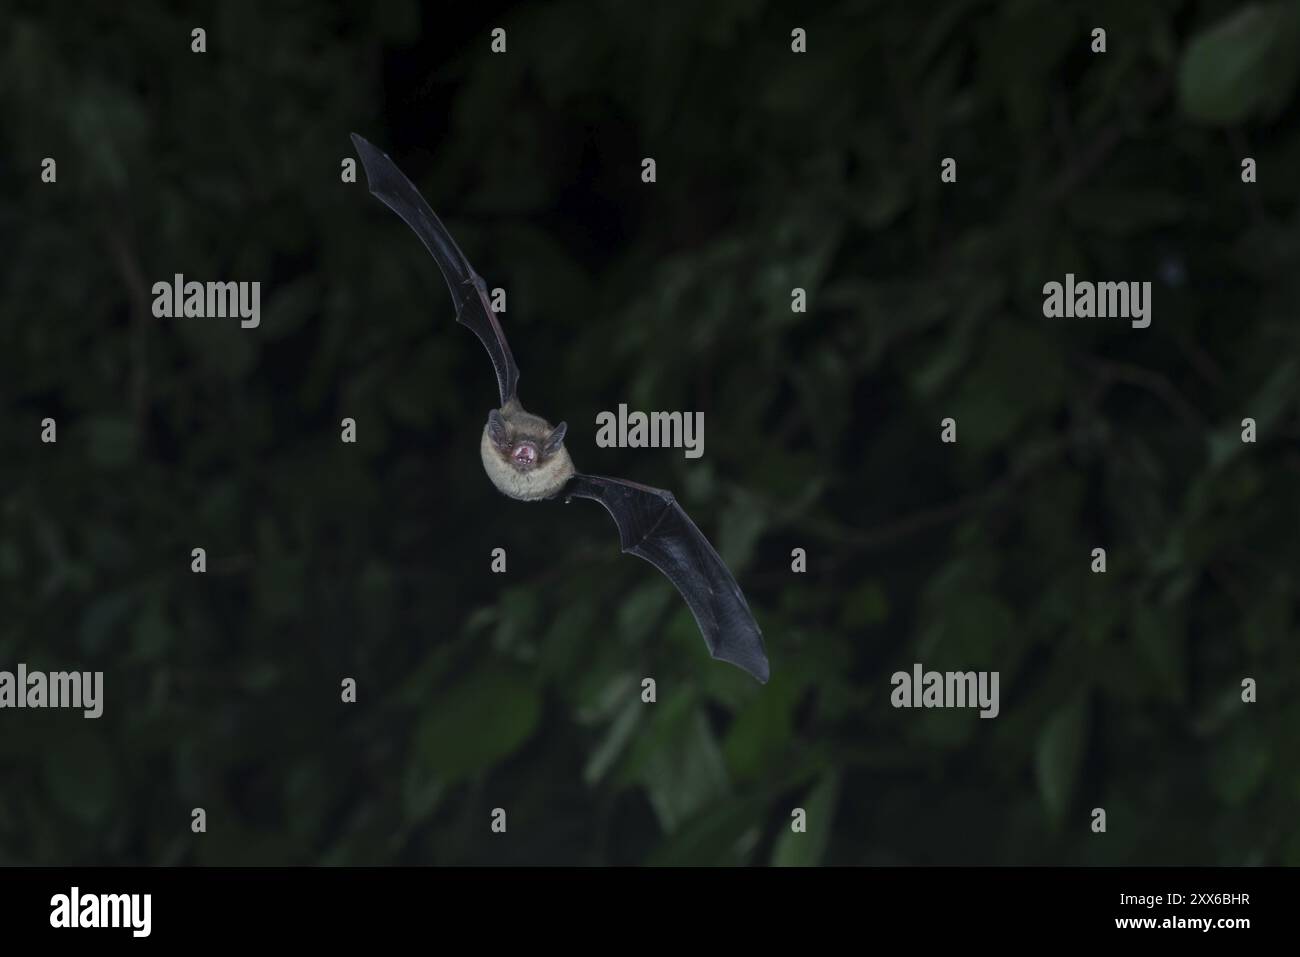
point(775, 170)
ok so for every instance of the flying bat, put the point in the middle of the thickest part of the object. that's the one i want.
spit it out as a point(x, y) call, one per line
point(525, 457)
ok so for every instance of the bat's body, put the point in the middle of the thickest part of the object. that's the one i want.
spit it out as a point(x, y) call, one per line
point(506, 449)
point(525, 457)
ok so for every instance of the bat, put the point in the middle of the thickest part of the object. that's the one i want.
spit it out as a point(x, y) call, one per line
point(525, 457)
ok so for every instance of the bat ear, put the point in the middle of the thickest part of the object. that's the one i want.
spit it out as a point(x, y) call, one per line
point(497, 431)
point(555, 439)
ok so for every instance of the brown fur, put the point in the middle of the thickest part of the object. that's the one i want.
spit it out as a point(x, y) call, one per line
point(546, 479)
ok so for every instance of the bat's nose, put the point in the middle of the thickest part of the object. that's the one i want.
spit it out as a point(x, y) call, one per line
point(525, 455)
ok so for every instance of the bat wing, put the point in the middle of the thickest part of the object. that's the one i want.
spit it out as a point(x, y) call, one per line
point(651, 525)
point(468, 290)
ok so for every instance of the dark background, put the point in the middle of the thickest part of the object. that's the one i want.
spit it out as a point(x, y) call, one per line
point(775, 170)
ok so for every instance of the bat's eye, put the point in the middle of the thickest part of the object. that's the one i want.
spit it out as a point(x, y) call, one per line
point(524, 455)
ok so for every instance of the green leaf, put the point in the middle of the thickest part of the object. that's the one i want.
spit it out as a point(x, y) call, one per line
point(864, 606)
point(101, 618)
point(616, 740)
point(220, 346)
point(1158, 637)
point(806, 849)
point(743, 523)
point(682, 770)
point(289, 307)
point(152, 632)
point(762, 729)
point(1019, 375)
point(642, 609)
point(11, 561)
point(1240, 767)
point(516, 630)
point(1243, 66)
point(109, 126)
point(478, 722)
point(722, 835)
point(112, 441)
point(260, 678)
point(421, 792)
point(281, 586)
point(1121, 212)
point(398, 21)
point(1060, 754)
point(80, 774)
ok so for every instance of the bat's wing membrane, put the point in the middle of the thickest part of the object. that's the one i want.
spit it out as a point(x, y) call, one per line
point(651, 525)
point(468, 290)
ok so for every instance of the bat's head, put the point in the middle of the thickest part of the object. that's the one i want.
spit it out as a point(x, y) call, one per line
point(525, 442)
point(523, 455)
